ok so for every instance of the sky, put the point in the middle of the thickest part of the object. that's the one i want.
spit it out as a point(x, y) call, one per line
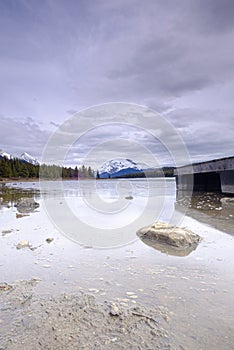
point(173, 56)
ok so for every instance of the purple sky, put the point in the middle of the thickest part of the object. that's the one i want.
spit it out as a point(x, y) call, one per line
point(175, 56)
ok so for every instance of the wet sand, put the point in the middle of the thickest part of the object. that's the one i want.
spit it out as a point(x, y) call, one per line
point(78, 322)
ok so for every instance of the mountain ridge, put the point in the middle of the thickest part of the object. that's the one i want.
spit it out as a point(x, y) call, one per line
point(24, 157)
point(119, 167)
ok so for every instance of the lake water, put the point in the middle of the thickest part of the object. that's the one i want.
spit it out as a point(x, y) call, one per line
point(95, 250)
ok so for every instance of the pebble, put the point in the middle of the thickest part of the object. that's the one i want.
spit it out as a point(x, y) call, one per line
point(22, 244)
point(114, 311)
point(6, 232)
point(49, 240)
point(93, 290)
point(122, 300)
point(130, 293)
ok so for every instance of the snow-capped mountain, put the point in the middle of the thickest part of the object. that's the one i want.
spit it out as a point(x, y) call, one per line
point(118, 167)
point(5, 154)
point(29, 159)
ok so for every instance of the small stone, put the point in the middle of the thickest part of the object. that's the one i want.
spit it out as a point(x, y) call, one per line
point(18, 215)
point(49, 240)
point(94, 290)
point(114, 311)
point(129, 197)
point(114, 340)
point(133, 296)
point(22, 244)
point(5, 287)
point(123, 300)
point(6, 232)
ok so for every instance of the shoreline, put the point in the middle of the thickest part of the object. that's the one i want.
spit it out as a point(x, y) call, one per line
point(36, 179)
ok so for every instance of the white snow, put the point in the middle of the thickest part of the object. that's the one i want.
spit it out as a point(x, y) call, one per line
point(5, 154)
point(115, 165)
point(30, 159)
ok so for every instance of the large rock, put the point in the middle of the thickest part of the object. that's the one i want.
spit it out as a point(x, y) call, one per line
point(27, 205)
point(169, 239)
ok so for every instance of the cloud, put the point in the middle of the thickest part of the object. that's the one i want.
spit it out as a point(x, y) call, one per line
point(54, 124)
point(59, 57)
point(217, 16)
point(207, 134)
point(18, 136)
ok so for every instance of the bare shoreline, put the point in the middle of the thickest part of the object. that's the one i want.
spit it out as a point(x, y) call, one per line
point(72, 321)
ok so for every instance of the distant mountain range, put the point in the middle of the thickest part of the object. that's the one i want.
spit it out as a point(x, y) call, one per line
point(123, 167)
point(25, 157)
point(119, 167)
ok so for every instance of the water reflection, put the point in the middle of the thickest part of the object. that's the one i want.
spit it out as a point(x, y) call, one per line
point(25, 200)
point(169, 249)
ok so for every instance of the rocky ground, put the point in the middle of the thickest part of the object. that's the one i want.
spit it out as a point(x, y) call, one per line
point(214, 209)
point(77, 322)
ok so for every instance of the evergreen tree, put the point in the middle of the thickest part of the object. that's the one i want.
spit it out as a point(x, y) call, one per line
point(90, 172)
point(76, 173)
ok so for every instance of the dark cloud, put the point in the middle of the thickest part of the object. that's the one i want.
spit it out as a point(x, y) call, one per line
point(214, 15)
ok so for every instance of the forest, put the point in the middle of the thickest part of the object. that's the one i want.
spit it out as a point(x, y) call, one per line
point(16, 168)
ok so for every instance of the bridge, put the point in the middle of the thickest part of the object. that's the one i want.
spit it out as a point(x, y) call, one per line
point(210, 176)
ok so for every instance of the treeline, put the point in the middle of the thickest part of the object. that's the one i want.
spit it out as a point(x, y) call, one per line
point(54, 172)
point(15, 168)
